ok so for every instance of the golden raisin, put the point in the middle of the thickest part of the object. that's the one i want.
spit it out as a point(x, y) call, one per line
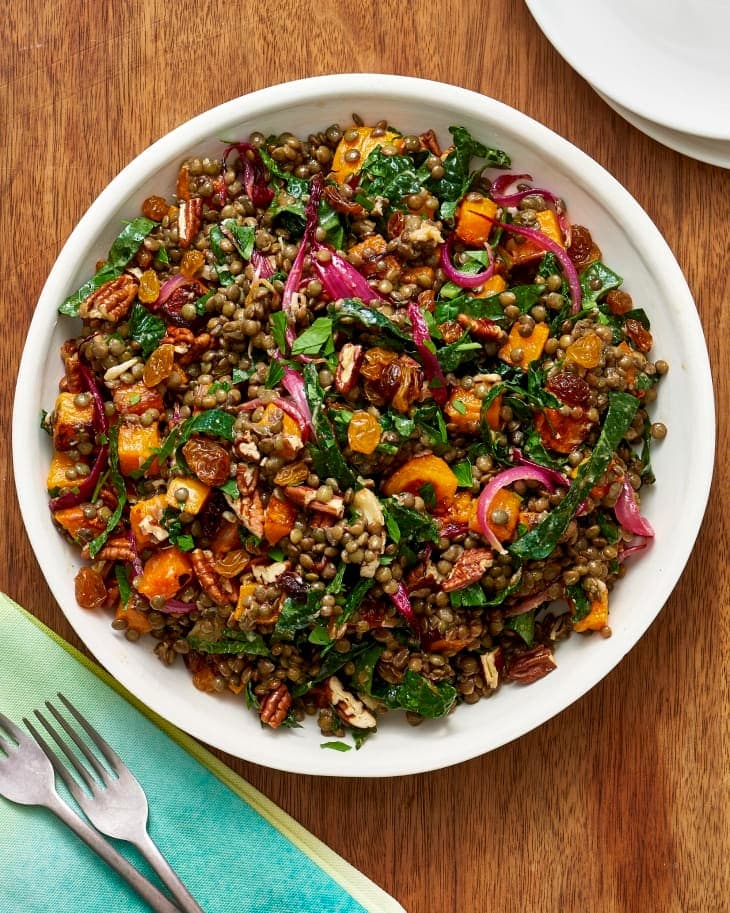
point(90, 589)
point(159, 365)
point(232, 563)
point(292, 474)
point(155, 208)
point(191, 262)
point(363, 432)
point(149, 287)
point(585, 351)
point(209, 461)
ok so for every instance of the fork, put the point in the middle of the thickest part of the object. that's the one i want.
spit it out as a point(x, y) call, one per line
point(26, 777)
point(115, 805)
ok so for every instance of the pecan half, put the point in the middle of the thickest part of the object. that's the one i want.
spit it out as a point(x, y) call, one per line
point(219, 589)
point(305, 496)
point(351, 710)
point(116, 549)
point(468, 569)
point(482, 328)
point(249, 508)
point(348, 367)
point(111, 301)
point(275, 707)
point(429, 141)
point(189, 218)
point(73, 381)
point(530, 665)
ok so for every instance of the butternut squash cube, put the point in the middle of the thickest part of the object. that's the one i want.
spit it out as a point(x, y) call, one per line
point(71, 423)
point(196, 494)
point(136, 444)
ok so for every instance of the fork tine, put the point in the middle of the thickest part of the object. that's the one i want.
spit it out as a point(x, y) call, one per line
point(15, 731)
point(115, 762)
point(72, 785)
point(73, 760)
point(80, 744)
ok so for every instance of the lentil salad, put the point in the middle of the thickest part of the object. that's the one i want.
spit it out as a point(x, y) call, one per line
point(346, 418)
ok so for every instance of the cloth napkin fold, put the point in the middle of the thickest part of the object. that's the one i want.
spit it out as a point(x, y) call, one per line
point(234, 849)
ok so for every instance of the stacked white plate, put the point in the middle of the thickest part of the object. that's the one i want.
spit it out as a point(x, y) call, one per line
point(663, 65)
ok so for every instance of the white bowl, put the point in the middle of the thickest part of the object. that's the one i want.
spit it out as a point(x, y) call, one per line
point(683, 462)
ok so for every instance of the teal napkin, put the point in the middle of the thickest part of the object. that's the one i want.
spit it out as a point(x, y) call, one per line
point(234, 849)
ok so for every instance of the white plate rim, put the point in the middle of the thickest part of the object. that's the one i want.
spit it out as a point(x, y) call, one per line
point(650, 108)
point(587, 173)
point(700, 148)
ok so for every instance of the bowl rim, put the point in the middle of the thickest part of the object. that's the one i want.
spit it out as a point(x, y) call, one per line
point(584, 172)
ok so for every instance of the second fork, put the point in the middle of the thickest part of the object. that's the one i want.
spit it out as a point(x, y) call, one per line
point(115, 804)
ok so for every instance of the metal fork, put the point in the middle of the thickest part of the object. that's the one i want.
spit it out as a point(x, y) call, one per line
point(26, 777)
point(116, 805)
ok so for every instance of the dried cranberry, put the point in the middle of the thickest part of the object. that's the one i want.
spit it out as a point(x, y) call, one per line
point(211, 515)
point(187, 293)
point(569, 388)
point(293, 585)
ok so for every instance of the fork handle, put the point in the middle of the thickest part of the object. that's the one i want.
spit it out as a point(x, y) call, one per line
point(156, 900)
point(183, 898)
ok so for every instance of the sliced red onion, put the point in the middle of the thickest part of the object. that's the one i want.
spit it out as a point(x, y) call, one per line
point(254, 173)
point(402, 602)
point(168, 287)
point(340, 278)
point(465, 280)
point(628, 514)
point(101, 422)
point(527, 604)
point(558, 478)
point(636, 549)
point(85, 488)
point(501, 480)
point(545, 243)
point(293, 383)
point(422, 337)
point(137, 566)
point(293, 280)
point(262, 266)
point(177, 607)
point(499, 195)
point(292, 409)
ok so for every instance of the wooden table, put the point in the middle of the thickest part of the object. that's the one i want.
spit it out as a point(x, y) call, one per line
point(619, 804)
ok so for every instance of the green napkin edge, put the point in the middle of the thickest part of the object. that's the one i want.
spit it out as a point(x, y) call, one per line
point(361, 888)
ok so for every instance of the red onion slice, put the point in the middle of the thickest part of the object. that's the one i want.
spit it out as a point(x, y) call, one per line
point(168, 287)
point(499, 195)
point(636, 549)
point(340, 278)
point(85, 488)
point(262, 266)
point(501, 480)
point(627, 512)
point(421, 338)
point(294, 278)
point(545, 243)
point(293, 383)
point(464, 280)
point(101, 422)
point(402, 602)
point(177, 607)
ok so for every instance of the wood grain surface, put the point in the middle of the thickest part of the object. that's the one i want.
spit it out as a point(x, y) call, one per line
point(618, 805)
